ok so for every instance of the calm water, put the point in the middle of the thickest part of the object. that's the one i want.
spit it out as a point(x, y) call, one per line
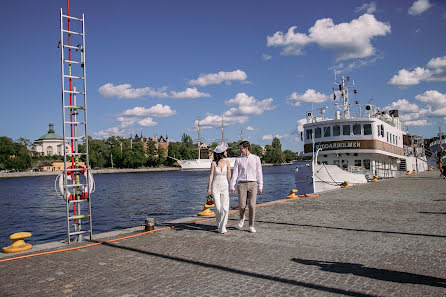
point(120, 200)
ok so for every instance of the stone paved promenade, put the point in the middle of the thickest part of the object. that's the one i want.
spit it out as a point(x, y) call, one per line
point(377, 239)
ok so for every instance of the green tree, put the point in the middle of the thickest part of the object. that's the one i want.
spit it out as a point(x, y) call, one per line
point(187, 140)
point(233, 149)
point(13, 155)
point(290, 155)
point(256, 150)
point(276, 144)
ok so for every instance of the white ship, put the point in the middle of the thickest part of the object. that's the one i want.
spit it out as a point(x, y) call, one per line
point(197, 164)
point(200, 163)
point(358, 143)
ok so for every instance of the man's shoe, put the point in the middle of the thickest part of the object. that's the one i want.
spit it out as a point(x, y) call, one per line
point(252, 230)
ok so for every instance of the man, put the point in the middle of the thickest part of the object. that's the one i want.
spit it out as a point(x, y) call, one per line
point(247, 174)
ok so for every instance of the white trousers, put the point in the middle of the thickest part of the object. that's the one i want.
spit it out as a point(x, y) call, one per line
point(220, 191)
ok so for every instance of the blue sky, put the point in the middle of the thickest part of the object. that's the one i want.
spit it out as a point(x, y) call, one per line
point(158, 66)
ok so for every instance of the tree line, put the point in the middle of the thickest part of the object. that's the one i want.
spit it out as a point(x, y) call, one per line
point(119, 152)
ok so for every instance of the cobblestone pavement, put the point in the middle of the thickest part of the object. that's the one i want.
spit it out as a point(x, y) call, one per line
point(377, 239)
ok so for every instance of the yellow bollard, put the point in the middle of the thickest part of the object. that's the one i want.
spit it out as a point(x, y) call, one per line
point(18, 243)
point(345, 184)
point(407, 172)
point(206, 212)
point(292, 194)
point(414, 171)
point(430, 168)
point(375, 179)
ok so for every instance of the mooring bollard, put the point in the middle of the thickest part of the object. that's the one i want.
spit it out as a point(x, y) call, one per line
point(149, 224)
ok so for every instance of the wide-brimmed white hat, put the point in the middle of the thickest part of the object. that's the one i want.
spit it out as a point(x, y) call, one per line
point(221, 148)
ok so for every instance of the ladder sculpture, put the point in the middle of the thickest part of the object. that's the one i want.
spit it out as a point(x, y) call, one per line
point(76, 182)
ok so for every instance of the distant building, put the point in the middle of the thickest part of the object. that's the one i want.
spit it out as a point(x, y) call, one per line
point(56, 166)
point(50, 144)
point(159, 142)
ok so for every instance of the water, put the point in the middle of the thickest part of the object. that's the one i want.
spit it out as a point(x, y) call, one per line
point(120, 201)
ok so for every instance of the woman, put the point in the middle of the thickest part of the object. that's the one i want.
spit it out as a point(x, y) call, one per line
point(218, 178)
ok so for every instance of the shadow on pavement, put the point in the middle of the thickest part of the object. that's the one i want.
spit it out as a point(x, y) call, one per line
point(241, 272)
point(431, 212)
point(375, 273)
point(358, 230)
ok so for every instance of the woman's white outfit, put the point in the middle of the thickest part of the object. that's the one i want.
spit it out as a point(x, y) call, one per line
point(220, 191)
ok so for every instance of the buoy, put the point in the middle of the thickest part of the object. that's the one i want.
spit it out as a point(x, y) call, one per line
point(407, 172)
point(430, 168)
point(292, 194)
point(206, 212)
point(345, 184)
point(18, 243)
point(375, 179)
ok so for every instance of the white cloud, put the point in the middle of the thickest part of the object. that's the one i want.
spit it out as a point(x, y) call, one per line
point(158, 110)
point(419, 6)
point(106, 133)
point(126, 121)
point(212, 120)
point(247, 105)
point(367, 7)
point(435, 71)
point(409, 78)
point(309, 96)
point(266, 57)
point(403, 105)
point(412, 115)
point(189, 93)
point(271, 137)
point(125, 91)
point(300, 125)
point(417, 123)
point(348, 40)
point(147, 122)
point(433, 99)
point(249, 128)
point(218, 78)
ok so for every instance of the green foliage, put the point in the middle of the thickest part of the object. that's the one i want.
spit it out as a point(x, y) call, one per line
point(274, 154)
point(13, 155)
point(289, 155)
point(187, 140)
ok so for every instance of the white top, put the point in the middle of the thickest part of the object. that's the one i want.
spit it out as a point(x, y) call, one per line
point(247, 168)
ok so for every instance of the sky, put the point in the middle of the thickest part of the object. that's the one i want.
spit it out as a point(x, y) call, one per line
point(157, 67)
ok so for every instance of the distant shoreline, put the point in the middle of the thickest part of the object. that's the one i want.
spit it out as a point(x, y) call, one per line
point(94, 171)
point(102, 171)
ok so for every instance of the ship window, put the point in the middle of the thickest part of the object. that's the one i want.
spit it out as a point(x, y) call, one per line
point(344, 164)
point(336, 162)
point(394, 141)
point(387, 136)
point(336, 130)
point(357, 129)
point(309, 134)
point(346, 130)
point(367, 129)
point(367, 164)
point(324, 162)
point(382, 130)
point(317, 132)
point(327, 131)
point(358, 163)
point(379, 129)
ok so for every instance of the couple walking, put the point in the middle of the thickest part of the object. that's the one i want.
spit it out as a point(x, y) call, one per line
point(247, 174)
